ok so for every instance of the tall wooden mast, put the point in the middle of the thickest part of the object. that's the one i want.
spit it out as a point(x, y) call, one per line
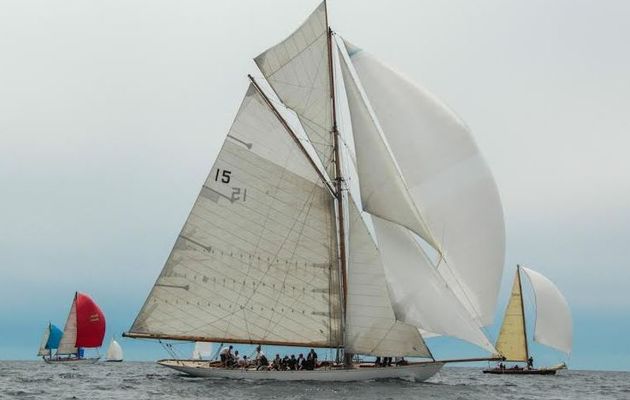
point(339, 189)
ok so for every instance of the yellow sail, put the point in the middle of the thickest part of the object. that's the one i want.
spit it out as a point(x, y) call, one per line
point(512, 341)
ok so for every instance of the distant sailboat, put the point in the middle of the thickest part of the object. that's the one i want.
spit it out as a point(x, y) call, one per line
point(306, 236)
point(50, 340)
point(85, 328)
point(553, 325)
point(114, 352)
point(201, 350)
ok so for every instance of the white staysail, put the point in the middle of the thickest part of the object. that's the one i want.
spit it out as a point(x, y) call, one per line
point(446, 177)
point(371, 327)
point(43, 351)
point(298, 71)
point(554, 327)
point(69, 338)
point(201, 350)
point(383, 190)
point(419, 294)
point(256, 259)
point(114, 351)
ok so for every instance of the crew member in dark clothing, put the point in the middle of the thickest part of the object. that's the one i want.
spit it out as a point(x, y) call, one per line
point(301, 362)
point(311, 360)
point(530, 362)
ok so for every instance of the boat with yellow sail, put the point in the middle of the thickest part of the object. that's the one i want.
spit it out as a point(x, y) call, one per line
point(553, 327)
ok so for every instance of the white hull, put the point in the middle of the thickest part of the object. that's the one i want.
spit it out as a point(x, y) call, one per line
point(416, 371)
point(71, 361)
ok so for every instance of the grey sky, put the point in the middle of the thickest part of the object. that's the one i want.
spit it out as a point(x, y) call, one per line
point(111, 113)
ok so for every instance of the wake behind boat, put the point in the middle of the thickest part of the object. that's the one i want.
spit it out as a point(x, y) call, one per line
point(84, 329)
point(553, 326)
point(308, 234)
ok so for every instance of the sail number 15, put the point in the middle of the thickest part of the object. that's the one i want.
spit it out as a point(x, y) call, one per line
point(224, 175)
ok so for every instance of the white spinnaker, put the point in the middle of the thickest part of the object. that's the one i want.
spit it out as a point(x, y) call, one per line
point(43, 351)
point(114, 351)
point(201, 350)
point(69, 338)
point(554, 327)
point(447, 178)
point(298, 70)
point(371, 327)
point(384, 192)
point(256, 259)
point(419, 295)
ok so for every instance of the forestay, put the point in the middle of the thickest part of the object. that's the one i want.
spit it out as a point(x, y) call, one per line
point(298, 71)
point(371, 327)
point(420, 296)
point(446, 177)
point(512, 340)
point(554, 327)
point(256, 259)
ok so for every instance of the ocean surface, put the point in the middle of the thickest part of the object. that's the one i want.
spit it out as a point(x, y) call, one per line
point(144, 380)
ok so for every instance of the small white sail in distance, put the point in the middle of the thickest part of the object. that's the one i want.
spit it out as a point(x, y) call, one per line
point(201, 350)
point(554, 327)
point(114, 351)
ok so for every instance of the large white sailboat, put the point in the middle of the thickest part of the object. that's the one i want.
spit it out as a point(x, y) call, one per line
point(362, 237)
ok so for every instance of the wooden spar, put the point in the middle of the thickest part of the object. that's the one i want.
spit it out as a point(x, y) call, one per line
point(286, 126)
point(338, 183)
point(186, 338)
point(520, 288)
point(457, 360)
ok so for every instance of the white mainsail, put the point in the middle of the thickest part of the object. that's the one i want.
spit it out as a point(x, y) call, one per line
point(446, 177)
point(371, 326)
point(201, 350)
point(554, 327)
point(256, 260)
point(420, 296)
point(69, 338)
point(298, 71)
point(114, 351)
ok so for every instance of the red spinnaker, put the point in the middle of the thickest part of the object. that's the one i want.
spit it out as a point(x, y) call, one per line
point(90, 322)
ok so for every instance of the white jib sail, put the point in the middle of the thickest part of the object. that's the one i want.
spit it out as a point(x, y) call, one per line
point(43, 351)
point(554, 327)
point(446, 177)
point(256, 259)
point(69, 338)
point(371, 327)
point(419, 294)
point(201, 350)
point(384, 192)
point(298, 71)
point(114, 351)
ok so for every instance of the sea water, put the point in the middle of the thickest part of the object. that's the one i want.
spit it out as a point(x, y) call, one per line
point(144, 380)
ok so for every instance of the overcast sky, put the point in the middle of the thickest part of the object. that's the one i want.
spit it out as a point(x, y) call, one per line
point(111, 114)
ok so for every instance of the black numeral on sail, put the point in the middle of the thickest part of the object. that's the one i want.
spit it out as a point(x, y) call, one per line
point(225, 175)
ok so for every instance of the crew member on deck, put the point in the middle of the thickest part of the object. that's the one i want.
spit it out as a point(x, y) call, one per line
point(311, 360)
point(226, 355)
point(530, 362)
